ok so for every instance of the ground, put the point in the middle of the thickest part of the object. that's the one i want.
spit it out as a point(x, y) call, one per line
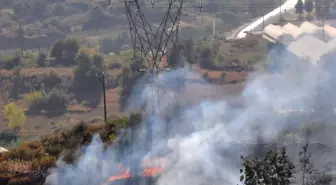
point(39, 125)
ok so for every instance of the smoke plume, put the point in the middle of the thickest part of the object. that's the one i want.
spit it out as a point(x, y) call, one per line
point(206, 136)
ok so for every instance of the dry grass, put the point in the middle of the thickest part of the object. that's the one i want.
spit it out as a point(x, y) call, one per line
point(63, 72)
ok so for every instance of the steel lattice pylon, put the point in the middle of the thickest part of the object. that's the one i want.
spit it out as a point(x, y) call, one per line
point(148, 45)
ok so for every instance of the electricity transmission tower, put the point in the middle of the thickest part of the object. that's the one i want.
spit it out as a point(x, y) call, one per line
point(151, 42)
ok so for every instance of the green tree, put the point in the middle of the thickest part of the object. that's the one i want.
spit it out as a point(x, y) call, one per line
point(308, 6)
point(15, 115)
point(85, 79)
point(274, 169)
point(129, 77)
point(65, 51)
point(299, 7)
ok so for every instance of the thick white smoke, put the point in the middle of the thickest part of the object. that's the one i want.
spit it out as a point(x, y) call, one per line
point(206, 137)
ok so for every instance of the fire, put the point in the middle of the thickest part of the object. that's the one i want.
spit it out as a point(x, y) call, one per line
point(153, 171)
point(147, 172)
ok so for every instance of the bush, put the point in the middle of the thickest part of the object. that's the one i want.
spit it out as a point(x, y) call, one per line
point(15, 115)
point(26, 151)
point(11, 62)
point(44, 163)
point(55, 100)
point(34, 100)
point(85, 79)
point(41, 60)
point(95, 119)
point(65, 51)
point(6, 138)
point(52, 80)
point(223, 77)
point(115, 65)
point(19, 181)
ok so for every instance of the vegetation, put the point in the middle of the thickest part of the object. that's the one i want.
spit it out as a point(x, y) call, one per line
point(39, 156)
point(275, 168)
point(65, 51)
point(299, 7)
point(15, 115)
point(308, 6)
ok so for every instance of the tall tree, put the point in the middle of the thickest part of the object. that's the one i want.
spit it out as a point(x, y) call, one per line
point(299, 7)
point(308, 6)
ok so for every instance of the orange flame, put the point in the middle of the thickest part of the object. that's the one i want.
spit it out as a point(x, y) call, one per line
point(148, 172)
point(125, 175)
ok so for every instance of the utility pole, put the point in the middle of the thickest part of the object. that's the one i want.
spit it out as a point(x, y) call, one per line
point(323, 22)
point(280, 12)
point(21, 38)
point(200, 6)
point(263, 22)
point(101, 78)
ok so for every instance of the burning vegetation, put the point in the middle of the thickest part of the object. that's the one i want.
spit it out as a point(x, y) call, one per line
point(149, 169)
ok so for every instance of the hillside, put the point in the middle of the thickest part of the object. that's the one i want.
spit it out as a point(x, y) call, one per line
point(94, 20)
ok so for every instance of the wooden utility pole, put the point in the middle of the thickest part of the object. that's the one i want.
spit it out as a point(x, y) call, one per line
point(21, 38)
point(101, 78)
point(263, 22)
point(323, 22)
point(280, 12)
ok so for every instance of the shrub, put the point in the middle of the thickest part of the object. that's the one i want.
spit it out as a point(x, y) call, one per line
point(52, 80)
point(34, 100)
point(56, 100)
point(223, 77)
point(41, 60)
point(11, 62)
point(54, 150)
point(65, 51)
point(115, 65)
point(95, 119)
point(19, 181)
point(26, 151)
point(206, 76)
point(15, 115)
point(7, 138)
point(43, 163)
point(85, 79)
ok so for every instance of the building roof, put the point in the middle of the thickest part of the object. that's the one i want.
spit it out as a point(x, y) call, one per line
point(308, 27)
point(303, 48)
point(293, 30)
point(330, 31)
point(303, 41)
point(276, 34)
